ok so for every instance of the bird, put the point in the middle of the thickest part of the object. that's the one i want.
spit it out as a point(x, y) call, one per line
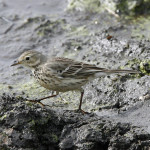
point(61, 74)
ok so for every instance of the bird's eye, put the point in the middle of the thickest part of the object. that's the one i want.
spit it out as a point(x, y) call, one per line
point(27, 58)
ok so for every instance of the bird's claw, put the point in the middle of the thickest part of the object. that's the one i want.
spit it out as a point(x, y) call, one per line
point(37, 101)
point(81, 111)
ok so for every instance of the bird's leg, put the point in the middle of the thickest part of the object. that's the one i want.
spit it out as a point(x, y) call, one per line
point(81, 97)
point(39, 100)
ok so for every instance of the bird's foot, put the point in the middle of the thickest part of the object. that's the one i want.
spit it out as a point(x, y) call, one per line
point(37, 101)
point(81, 111)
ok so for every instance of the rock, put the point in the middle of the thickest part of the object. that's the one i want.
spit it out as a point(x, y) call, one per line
point(24, 126)
point(84, 5)
point(132, 7)
point(114, 7)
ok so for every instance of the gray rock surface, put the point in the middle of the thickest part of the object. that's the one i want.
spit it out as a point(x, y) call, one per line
point(34, 128)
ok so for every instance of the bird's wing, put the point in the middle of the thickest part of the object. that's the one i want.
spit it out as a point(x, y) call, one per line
point(69, 68)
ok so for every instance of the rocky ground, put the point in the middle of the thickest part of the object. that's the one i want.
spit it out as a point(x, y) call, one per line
point(111, 36)
point(28, 127)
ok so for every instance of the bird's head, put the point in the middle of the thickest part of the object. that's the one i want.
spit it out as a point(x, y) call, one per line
point(30, 59)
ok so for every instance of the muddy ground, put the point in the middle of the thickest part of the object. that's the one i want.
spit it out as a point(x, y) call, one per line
point(118, 105)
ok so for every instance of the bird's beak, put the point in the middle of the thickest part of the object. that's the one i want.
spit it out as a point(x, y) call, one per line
point(16, 63)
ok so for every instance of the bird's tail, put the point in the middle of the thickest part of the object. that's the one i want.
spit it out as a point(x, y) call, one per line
point(107, 72)
point(121, 71)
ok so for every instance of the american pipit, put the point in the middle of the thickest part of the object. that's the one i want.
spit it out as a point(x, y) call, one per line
point(62, 74)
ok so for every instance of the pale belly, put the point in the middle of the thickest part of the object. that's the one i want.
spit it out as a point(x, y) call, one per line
point(62, 85)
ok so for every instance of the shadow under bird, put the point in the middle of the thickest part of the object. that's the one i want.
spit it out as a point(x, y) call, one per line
point(62, 74)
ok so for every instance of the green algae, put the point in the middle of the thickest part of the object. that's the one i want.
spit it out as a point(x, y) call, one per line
point(84, 5)
point(127, 8)
point(32, 90)
point(35, 123)
point(29, 89)
point(54, 137)
point(78, 31)
point(24, 89)
point(3, 117)
point(49, 27)
point(32, 123)
point(143, 7)
point(141, 27)
point(144, 65)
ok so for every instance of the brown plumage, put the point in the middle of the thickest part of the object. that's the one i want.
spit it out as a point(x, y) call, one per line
point(62, 74)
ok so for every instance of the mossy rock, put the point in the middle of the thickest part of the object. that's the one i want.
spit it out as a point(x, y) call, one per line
point(127, 7)
point(142, 65)
point(84, 5)
point(50, 27)
point(145, 67)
